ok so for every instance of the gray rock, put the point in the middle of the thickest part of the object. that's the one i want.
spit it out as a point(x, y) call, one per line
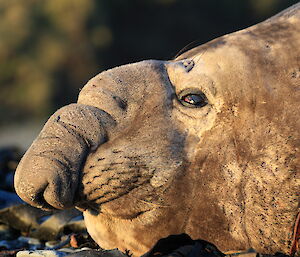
point(52, 227)
point(38, 222)
point(59, 244)
point(76, 226)
point(74, 250)
point(52, 244)
point(33, 243)
point(98, 253)
point(67, 250)
point(41, 253)
point(22, 217)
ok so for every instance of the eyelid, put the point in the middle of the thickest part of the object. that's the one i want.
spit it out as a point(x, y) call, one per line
point(192, 91)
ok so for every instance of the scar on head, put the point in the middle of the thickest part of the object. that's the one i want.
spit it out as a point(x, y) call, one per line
point(212, 88)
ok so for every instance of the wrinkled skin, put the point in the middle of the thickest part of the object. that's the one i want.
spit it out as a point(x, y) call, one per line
point(142, 164)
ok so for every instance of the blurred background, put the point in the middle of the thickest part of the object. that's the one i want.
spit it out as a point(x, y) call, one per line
point(50, 49)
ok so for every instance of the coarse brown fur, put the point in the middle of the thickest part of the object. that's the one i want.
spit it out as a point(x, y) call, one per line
point(143, 166)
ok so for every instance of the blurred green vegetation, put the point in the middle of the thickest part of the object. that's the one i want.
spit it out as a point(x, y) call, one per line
point(49, 49)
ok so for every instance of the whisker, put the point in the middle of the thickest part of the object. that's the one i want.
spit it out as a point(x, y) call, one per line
point(150, 203)
point(188, 47)
point(197, 57)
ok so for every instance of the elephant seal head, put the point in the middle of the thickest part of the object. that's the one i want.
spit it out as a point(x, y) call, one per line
point(207, 144)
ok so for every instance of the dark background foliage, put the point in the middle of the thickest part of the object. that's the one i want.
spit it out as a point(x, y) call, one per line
point(49, 49)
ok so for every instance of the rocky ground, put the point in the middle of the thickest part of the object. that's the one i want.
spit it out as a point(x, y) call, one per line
point(29, 232)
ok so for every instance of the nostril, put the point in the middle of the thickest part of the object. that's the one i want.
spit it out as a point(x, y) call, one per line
point(36, 198)
point(40, 202)
point(32, 193)
point(39, 198)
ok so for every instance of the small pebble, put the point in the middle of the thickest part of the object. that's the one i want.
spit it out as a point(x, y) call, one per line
point(51, 244)
point(98, 253)
point(71, 250)
point(33, 243)
point(67, 250)
point(65, 237)
point(83, 249)
point(29, 240)
point(41, 253)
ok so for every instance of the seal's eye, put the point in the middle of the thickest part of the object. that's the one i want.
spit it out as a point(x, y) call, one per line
point(193, 98)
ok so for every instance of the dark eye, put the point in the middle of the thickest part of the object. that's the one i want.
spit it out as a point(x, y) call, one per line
point(192, 98)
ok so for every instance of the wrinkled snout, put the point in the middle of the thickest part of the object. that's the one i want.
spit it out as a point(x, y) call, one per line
point(48, 174)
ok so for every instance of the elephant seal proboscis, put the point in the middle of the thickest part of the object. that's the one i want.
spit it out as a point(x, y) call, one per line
point(206, 144)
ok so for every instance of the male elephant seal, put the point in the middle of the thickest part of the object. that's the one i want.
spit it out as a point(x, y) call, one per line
point(207, 144)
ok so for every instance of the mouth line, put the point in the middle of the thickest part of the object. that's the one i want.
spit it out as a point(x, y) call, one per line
point(39, 201)
point(127, 216)
point(96, 210)
point(88, 206)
